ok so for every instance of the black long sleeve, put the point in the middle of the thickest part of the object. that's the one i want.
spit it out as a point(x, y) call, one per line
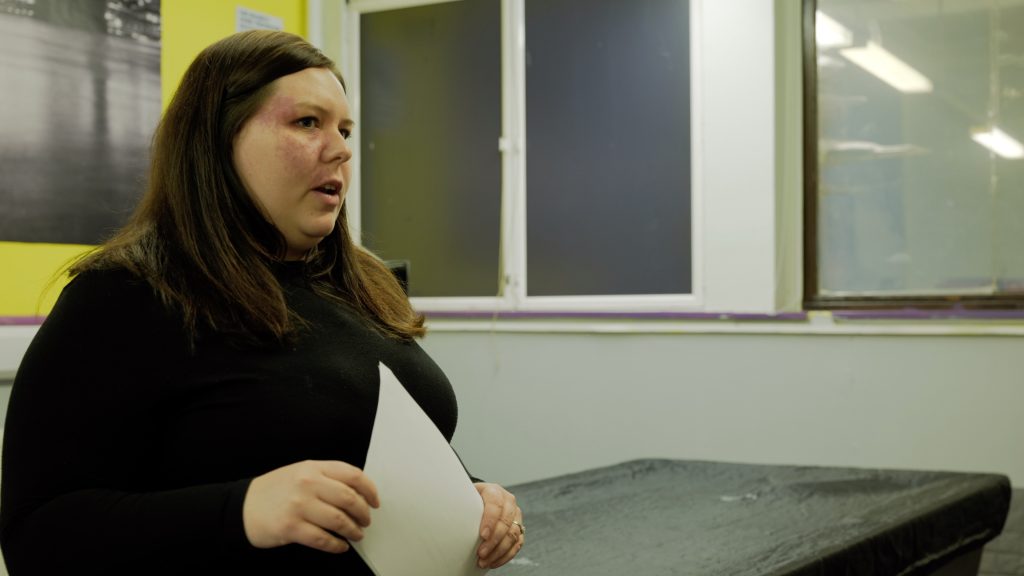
point(127, 453)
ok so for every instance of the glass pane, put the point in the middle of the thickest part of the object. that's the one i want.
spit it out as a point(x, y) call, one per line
point(608, 143)
point(911, 202)
point(431, 119)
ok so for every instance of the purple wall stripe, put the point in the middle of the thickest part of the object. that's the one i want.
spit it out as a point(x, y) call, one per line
point(21, 320)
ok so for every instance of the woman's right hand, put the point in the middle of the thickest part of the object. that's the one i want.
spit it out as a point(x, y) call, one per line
point(309, 503)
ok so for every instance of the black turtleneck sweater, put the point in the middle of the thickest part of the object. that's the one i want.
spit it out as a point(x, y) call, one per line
point(125, 453)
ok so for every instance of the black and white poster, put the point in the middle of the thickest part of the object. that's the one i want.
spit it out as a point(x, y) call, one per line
point(79, 100)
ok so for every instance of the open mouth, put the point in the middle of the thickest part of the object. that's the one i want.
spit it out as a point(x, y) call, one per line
point(329, 189)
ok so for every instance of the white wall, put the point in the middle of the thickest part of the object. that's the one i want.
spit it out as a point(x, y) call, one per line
point(13, 342)
point(534, 405)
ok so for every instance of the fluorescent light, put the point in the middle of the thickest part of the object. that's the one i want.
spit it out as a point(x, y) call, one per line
point(888, 68)
point(999, 142)
point(830, 34)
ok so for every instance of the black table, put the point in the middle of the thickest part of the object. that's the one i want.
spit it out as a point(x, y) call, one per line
point(659, 517)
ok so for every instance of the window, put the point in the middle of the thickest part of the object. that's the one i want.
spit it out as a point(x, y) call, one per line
point(915, 117)
point(528, 154)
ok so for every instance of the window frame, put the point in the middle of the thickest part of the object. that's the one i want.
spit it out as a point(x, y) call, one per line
point(813, 300)
point(511, 289)
point(746, 243)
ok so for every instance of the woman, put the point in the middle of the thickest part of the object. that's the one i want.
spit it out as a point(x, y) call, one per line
point(200, 399)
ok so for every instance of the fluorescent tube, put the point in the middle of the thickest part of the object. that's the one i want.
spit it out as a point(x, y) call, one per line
point(999, 142)
point(830, 34)
point(888, 68)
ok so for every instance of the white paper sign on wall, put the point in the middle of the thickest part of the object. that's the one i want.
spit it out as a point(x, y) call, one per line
point(246, 19)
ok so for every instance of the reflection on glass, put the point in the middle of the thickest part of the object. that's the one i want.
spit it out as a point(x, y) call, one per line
point(920, 118)
point(999, 142)
point(829, 33)
point(888, 68)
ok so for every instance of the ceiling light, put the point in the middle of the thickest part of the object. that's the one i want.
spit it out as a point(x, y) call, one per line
point(830, 34)
point(888, 68)
point(999, 142)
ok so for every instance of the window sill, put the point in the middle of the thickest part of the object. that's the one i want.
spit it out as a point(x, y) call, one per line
point(861, 322)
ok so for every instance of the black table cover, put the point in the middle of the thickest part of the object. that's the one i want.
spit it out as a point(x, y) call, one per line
point(658, 517)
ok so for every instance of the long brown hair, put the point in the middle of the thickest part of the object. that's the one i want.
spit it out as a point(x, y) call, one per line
point(199, 238)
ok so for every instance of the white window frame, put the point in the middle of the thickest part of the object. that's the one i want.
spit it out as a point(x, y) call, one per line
point(739, 263)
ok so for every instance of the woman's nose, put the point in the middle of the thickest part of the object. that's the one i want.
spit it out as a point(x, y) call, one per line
point(338, 148)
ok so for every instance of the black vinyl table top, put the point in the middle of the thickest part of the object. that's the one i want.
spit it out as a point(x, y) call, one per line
point(658, 517)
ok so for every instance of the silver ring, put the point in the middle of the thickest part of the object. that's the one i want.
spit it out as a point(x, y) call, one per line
point(522, 529)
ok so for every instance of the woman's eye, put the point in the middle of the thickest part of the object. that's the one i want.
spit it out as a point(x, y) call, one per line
point(307, 122)
point(346, 133)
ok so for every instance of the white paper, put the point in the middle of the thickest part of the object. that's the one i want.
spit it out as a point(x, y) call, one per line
point(246, 19)
point(428, 523)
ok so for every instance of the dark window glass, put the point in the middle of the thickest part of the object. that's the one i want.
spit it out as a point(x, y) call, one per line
point(608, 147)
point(430, 123)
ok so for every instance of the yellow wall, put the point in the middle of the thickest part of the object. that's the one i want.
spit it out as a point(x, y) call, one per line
point(191, 25)
point(26, 269)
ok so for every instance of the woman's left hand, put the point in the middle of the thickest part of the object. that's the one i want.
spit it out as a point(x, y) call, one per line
point(501, 527)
